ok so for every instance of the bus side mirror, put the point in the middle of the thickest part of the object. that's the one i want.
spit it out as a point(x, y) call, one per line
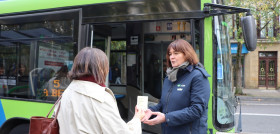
point(249, 32)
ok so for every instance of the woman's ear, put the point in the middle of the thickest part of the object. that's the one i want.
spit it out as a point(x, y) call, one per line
point(186, 57)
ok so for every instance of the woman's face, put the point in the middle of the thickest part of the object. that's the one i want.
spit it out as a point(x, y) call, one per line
point(176, 58)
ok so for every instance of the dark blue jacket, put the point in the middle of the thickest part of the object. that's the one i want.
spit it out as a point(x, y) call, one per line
point(185, 102)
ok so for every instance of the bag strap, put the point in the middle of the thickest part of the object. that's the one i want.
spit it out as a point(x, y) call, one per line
point(54, 122)
point(58, 100)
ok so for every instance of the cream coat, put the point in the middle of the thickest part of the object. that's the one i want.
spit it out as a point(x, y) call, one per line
point(87, 108)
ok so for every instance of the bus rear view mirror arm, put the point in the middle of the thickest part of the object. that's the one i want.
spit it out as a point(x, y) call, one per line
point(247, 22)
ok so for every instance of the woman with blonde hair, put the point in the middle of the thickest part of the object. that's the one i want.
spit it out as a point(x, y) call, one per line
point(87, 106)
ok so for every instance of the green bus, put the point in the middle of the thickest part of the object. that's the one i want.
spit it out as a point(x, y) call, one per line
point(39, 40)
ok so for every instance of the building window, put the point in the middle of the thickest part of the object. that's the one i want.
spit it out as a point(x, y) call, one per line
point(267, 26)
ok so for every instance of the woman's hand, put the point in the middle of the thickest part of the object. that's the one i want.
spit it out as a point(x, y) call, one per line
point(160, 118)
point(148, 114)
point(139, 113)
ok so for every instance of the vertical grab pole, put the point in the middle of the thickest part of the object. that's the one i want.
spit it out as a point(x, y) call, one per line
point(239, 127)
point(193, 34)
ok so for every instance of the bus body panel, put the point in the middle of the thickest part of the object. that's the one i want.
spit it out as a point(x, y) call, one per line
point(2, 114)
point(26, 109)
point(208, 62)
point(8, 6)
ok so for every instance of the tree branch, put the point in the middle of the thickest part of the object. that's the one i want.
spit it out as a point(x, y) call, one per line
point(265, 24)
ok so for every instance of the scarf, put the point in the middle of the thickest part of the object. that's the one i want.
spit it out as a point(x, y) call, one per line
point(91, 79)
point(172, 72)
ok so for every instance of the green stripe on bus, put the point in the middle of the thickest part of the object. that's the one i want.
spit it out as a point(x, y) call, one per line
point(208, 61)
point(12, 6)
point(26, 109)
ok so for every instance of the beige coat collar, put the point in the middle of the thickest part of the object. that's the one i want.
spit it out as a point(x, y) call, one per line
point(90, 89)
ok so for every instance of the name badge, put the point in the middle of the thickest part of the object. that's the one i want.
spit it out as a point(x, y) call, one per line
point(179, 89)
point(181, 85)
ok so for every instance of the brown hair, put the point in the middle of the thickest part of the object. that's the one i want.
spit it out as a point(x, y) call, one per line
point(90, 62)
point(183, 46)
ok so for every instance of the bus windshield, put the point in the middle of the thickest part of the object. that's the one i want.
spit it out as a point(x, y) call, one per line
point(223, 90)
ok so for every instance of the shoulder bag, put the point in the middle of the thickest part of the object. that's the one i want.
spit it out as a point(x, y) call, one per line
point(45, 125)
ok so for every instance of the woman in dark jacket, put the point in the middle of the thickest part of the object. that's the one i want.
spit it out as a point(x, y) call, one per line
point(184, 100)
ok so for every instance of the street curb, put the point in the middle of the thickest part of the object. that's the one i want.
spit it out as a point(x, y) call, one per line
point(258, 98)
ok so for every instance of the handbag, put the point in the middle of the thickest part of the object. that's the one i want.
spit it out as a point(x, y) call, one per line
point(45, 125)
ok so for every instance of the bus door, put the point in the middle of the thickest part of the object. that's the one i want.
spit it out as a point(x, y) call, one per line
point(100, 37)
point(157, 36)
point(111, 38)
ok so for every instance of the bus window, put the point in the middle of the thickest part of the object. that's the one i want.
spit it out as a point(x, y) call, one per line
point(224, 94)
point(34, 57)
point(117, 74)
point(49, 79)
point(14, 62)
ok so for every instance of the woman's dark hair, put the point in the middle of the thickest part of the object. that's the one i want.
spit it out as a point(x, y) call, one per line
point(183, 46)
point(90, 62)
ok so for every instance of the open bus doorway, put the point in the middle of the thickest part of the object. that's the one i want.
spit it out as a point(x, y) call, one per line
point(137, 56)
point(157, 36)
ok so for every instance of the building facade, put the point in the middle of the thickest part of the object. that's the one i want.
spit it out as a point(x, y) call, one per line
point(261, 67)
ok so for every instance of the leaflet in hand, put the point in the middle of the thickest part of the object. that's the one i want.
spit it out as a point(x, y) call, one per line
point(142, 102)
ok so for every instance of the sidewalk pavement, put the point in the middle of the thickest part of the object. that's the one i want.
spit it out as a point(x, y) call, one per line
point(260, 93)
